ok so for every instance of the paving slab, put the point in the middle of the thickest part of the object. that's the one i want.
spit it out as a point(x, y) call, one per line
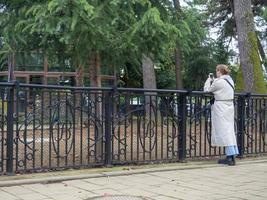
point(246, 180)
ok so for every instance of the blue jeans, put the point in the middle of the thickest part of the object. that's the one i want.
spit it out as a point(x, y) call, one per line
point(231, 150)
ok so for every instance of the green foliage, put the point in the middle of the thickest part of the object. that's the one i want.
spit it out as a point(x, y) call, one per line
point(259, 82)
point(260, 85)
point(165, 69)
point(194, 33)
point(150, 32)
point(166, 77)
point(263, 33)
point(264, 13)
point(130, 77)
point(120, 31)
point(239, 81)
point(201, 54)
point(199, 65)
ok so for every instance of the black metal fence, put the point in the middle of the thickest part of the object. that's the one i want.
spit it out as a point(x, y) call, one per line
point(52, 127)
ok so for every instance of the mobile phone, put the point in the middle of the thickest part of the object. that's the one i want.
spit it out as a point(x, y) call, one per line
point(211, 75)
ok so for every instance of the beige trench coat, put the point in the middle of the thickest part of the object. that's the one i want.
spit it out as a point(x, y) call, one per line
point(222, 111)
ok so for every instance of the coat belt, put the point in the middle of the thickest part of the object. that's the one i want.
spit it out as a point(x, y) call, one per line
point(223, 99)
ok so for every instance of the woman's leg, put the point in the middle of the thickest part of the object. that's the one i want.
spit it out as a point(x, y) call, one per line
point(231, 152)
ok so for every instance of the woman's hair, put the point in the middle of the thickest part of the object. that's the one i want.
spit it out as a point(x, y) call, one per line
point(224, 69)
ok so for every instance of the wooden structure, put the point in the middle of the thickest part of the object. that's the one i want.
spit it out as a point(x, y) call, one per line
point(43, 76)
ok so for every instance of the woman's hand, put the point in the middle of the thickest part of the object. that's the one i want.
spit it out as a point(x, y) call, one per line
point(209, 80)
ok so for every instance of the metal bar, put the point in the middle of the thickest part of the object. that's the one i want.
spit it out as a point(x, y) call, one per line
point(144, 128)
point(125, 126)
point(182, 125)
point(17, 129)
point(252, 125)
point(89, 110)
point(260, 125)
point(200, 126)
point(74, 129)
point(162, 133)
point(58, 128)
point(173, 130)
point(26, 128)
point(138, 136)
point(67, 136)
point(196, 113)
point(113, 123)
point(2, 129)
point(102, 128)
point(132, 134)
point(119, 128)
point(167, 116)
point(240, 124)
point(190, 126)
point(210, 129)
point(23, 85)
point(206, 128)
point(149, 126)
point(10, 122)
point(108, 118)
point(50, 129)
point(81, 128)
point(265, 126)
point(42, 128)
point(96, 131)
point(122, 89)
point(249, 126)
point(34, 128)
point(156, 133)
point(256, 125)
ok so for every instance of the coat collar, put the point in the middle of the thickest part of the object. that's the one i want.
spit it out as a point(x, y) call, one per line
point(225, 76)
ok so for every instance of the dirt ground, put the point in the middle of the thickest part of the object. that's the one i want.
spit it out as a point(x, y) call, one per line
point(65, 145)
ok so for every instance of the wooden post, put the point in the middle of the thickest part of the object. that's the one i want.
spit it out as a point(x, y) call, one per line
point(45, 70)
point(11, 64)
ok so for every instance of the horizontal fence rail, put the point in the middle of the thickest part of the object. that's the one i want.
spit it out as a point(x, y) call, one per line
point(54, 127)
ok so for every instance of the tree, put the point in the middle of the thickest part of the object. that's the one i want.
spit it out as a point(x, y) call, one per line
point(248, 48)
point(221, 14)
point(262, 21)
point(178, 53)
point(197, 51)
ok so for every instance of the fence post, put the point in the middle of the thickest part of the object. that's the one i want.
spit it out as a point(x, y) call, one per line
point(182, 126)
point(108, 138)
point(240, 124)
point(10, 129)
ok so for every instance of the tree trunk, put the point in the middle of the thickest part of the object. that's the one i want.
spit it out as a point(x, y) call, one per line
point(95, 71)
point(178, 53)
point(149, 77)
point(96, 101)
point(262, 53)
point(178, 67)
point(248, 48)
point(149, 82)
point(177, 5)
point(79, 77)
point(11, 66)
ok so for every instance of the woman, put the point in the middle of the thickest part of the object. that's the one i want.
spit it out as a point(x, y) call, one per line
point(222, 113)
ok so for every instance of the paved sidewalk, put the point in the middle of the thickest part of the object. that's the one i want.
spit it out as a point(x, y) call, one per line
point(247, 180)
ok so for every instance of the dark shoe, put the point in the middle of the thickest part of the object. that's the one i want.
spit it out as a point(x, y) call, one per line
point(229, 160)
point(223, 161)
point(232, 163)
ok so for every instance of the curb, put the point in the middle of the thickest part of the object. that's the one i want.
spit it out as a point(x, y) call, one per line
point(118, 173)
